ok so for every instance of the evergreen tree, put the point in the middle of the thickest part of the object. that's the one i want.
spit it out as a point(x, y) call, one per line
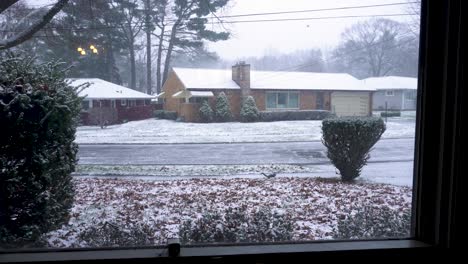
point(206, 113)
point(223, 110)
point(249, 111)
point(39, 113)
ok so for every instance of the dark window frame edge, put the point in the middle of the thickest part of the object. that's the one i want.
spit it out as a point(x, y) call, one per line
point(434, 196)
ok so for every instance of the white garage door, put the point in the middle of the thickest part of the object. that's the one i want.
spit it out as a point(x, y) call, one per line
point(350, 103)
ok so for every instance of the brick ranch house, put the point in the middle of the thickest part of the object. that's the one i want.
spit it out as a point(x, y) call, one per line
point(185, 88)
point(111, 103)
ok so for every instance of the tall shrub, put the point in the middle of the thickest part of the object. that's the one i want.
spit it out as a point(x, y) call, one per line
point(349, 140)
point(38, 115)
point(249, 111)
point(222, 110)
point(206, 113)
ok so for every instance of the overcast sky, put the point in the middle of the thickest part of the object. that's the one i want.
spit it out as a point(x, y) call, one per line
point(257, 39)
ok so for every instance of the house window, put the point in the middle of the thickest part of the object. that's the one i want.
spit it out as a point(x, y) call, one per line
point(123, 102)
point(85, 105)
point(197, 100)
point(131, 102)
point(282, 100)
point(112, 103)
point(389, 93)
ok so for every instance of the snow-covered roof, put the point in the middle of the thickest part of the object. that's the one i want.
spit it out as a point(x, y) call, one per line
point(189, 94)
point(278, 80)
point(100, 89)
point(391, 82)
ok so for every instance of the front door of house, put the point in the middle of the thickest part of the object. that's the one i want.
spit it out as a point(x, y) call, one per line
point(319, 101)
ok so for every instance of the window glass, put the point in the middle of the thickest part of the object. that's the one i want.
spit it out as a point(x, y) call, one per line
point(271, 100)
point(282, 100)
point(258, 164)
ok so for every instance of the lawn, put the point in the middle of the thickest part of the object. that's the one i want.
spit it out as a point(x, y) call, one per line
point(315, 205)
point(168, 131)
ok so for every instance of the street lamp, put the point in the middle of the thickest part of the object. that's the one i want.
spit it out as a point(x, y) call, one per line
point(92, 48)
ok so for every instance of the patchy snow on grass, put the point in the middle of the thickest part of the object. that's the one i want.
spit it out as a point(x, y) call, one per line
point(189, 170)
point(315, 205)
point(168, 131)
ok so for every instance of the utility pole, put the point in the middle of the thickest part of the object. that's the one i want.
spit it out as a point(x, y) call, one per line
point(149, 29)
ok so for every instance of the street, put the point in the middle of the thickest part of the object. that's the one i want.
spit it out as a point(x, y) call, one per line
point(386, 150)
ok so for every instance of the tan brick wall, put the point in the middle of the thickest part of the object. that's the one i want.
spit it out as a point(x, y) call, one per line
point(307, 100)
point(172, 86)
point(189, 111)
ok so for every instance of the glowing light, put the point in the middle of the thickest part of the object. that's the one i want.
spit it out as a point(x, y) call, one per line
point(79, 49)
point(83, 52)
point(92, 47)
point(95, 51)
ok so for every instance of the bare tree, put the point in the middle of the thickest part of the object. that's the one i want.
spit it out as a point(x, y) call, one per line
point(368, 48)
point(27, 33)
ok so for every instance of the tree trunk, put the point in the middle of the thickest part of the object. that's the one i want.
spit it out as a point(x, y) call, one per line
point(158, 63)
point(169, 51)
point(131, 48)
point(149, 89)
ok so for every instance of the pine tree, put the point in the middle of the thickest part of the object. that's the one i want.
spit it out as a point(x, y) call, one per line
point(222, 111)
point(249, 111)
point(206, 113)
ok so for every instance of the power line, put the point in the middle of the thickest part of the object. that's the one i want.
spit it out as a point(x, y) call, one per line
point(231, 22)
point(316, 10)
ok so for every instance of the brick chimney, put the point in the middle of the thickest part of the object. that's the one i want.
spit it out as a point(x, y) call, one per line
point(241, 75)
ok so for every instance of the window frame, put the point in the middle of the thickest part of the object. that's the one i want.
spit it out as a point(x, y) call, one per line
point(288, 93)
point(438, 219)
point(123, 102)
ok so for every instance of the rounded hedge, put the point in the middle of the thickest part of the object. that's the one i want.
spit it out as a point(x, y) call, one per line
point(349, 140)
point(39, 113)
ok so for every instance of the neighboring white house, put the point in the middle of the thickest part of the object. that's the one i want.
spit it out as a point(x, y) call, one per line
point(398, 93)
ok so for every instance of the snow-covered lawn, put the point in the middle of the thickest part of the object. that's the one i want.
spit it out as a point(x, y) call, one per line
point(395, 173)
point(168, 131)
point(314, 204)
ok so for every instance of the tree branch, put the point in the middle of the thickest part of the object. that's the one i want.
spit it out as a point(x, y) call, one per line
point(5, 4)
point(28, 33)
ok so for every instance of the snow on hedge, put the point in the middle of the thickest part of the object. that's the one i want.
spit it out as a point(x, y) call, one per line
point(315, 205)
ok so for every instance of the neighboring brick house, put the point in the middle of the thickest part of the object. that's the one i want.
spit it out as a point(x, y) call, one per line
point(397, 93)
point(109, 103)
point(341, 93)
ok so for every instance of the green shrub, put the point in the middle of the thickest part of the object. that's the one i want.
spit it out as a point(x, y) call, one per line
point(206, 113)
point(390, 113)
point(222, 108)
point(270, 116)
point(349, 140)
point(237, 225)
point(39, 113)
point(371, 222)
point(163, 114)
point(249, 111)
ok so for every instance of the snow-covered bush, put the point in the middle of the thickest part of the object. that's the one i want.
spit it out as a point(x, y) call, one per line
point(349, 140)
point(206, 113)
point(370, 222)
point(249, 111)
point(237, 225)
point(163, 114)
point(38, 115)
point(222, 109)
point(114, 235)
